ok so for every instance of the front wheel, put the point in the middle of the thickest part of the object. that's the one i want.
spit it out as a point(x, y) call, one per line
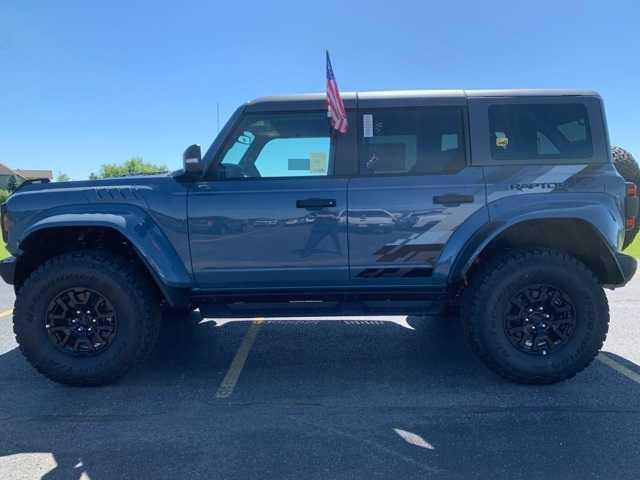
point(535, 317)
point(86, 318)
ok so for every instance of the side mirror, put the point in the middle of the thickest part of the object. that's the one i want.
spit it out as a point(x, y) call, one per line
point(192, 160)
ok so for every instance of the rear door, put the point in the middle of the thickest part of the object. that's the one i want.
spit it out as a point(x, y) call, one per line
point(413, 190)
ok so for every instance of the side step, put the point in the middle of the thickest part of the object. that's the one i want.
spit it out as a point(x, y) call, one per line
point(314, 308)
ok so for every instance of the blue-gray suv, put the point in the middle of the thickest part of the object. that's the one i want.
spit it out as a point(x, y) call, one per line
point(503, 202)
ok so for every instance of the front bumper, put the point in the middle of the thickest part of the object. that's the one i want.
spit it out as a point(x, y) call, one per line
point(8, 269)
point(628, 266)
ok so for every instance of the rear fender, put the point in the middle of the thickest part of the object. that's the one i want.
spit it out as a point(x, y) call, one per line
point(599, 211)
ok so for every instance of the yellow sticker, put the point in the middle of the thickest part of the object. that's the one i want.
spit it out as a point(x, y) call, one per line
point(502, 142)
point(318, 162)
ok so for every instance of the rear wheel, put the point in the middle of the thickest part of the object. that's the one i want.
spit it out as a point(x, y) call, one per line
point(535, 316)
point(86, 318)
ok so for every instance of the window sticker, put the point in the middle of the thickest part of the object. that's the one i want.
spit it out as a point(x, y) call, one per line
point(502, 141)
point(318, 162)
point(367, 125)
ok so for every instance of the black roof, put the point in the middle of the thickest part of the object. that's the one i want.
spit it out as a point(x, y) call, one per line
point(313, 100)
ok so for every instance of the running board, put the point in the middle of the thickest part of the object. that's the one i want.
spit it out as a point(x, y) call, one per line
point(314, 308)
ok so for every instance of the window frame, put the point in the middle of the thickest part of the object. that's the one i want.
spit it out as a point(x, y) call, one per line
point(334, 143)
point(481, 130)
point(362, 110)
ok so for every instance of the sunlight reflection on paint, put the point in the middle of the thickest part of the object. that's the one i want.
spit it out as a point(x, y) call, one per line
point(400, 320)
point(414, 439)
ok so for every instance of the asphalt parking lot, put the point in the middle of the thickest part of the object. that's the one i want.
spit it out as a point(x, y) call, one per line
point(326, 399)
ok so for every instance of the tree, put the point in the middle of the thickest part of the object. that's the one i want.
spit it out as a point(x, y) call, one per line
point(63, 177)
point(12, 184)
point(133, 166)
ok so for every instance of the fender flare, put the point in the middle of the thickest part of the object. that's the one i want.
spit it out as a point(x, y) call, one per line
point(601, 215)
point(147, 239)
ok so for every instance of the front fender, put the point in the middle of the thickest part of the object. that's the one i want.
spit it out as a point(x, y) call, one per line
point(599, 210)
point(132, 222)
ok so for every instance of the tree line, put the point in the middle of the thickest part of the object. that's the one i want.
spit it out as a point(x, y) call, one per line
point(133, 166)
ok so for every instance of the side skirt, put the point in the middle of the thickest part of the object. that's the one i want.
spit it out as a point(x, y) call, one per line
point(326, 303)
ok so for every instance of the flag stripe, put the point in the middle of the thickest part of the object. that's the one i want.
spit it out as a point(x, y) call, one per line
point(335, 105)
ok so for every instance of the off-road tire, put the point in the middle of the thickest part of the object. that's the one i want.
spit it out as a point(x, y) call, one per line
point(492, 287)
point(628, 168)
point(134, 299)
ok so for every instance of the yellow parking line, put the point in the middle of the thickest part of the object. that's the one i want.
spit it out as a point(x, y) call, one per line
point(6, 313)
point(618, 367)
point(231, 378)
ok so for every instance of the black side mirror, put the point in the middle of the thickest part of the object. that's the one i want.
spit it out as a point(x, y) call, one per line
point(192, 160)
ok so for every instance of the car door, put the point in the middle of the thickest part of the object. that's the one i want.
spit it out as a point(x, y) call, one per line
point(270, 215)
point(414, 188)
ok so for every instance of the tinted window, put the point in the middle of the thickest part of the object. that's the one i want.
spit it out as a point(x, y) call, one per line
point(538, 131)
point(279, 145)
point(412, 141)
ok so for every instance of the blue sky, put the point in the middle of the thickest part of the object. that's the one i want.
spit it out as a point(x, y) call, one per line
point(85, 83)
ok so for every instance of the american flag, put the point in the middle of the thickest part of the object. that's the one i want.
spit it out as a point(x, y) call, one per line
point(337, 113)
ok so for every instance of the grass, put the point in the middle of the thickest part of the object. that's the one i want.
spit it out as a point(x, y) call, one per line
point(3, 248)
point(634, 248)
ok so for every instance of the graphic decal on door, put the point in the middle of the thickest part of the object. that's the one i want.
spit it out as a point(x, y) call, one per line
point(424, 234)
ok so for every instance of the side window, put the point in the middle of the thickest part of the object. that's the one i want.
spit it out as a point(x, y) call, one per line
point(520, 132)
point(415, 141)
point(272, 145)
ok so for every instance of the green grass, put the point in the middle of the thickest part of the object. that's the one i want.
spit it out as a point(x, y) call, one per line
point(634, 248)
point(3, 248)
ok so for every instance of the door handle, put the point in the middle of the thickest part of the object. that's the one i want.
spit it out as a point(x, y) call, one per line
point(315, 203)
point(452, 199)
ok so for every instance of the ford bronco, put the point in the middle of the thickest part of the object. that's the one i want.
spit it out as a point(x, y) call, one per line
point(504, 202)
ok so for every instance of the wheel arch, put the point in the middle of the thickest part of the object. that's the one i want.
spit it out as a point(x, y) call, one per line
point(572, 235)
point(134, 236)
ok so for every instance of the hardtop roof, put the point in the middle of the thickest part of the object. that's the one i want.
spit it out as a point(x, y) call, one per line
point(351, 97)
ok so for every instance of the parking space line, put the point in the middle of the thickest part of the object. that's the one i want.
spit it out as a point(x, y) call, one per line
point(6, 313)
point(231, 378)
point(618, 367)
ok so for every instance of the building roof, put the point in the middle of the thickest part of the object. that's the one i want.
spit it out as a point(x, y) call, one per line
point(29, 174)
point(4, 170)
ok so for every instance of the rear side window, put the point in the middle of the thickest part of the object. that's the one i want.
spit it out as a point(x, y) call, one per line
point(521, 132)
point(418, 141)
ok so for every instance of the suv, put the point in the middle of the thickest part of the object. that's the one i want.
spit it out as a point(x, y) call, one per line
point(515, 211)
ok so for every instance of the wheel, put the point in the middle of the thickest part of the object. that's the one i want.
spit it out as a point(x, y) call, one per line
point(628, 168)
point(537, 316)
point(86, 317)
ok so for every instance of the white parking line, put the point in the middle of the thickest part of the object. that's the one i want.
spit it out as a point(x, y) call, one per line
point(618, 367)
point(231, 378)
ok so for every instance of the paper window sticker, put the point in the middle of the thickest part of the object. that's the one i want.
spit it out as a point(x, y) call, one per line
point(318, 162)
point(502, 141)
point(367, 125)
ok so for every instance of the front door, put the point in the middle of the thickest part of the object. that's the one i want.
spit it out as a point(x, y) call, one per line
point(413, 190)
point(274, 215)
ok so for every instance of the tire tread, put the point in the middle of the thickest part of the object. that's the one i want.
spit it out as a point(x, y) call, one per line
point(483, 283)
point(114, 265)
